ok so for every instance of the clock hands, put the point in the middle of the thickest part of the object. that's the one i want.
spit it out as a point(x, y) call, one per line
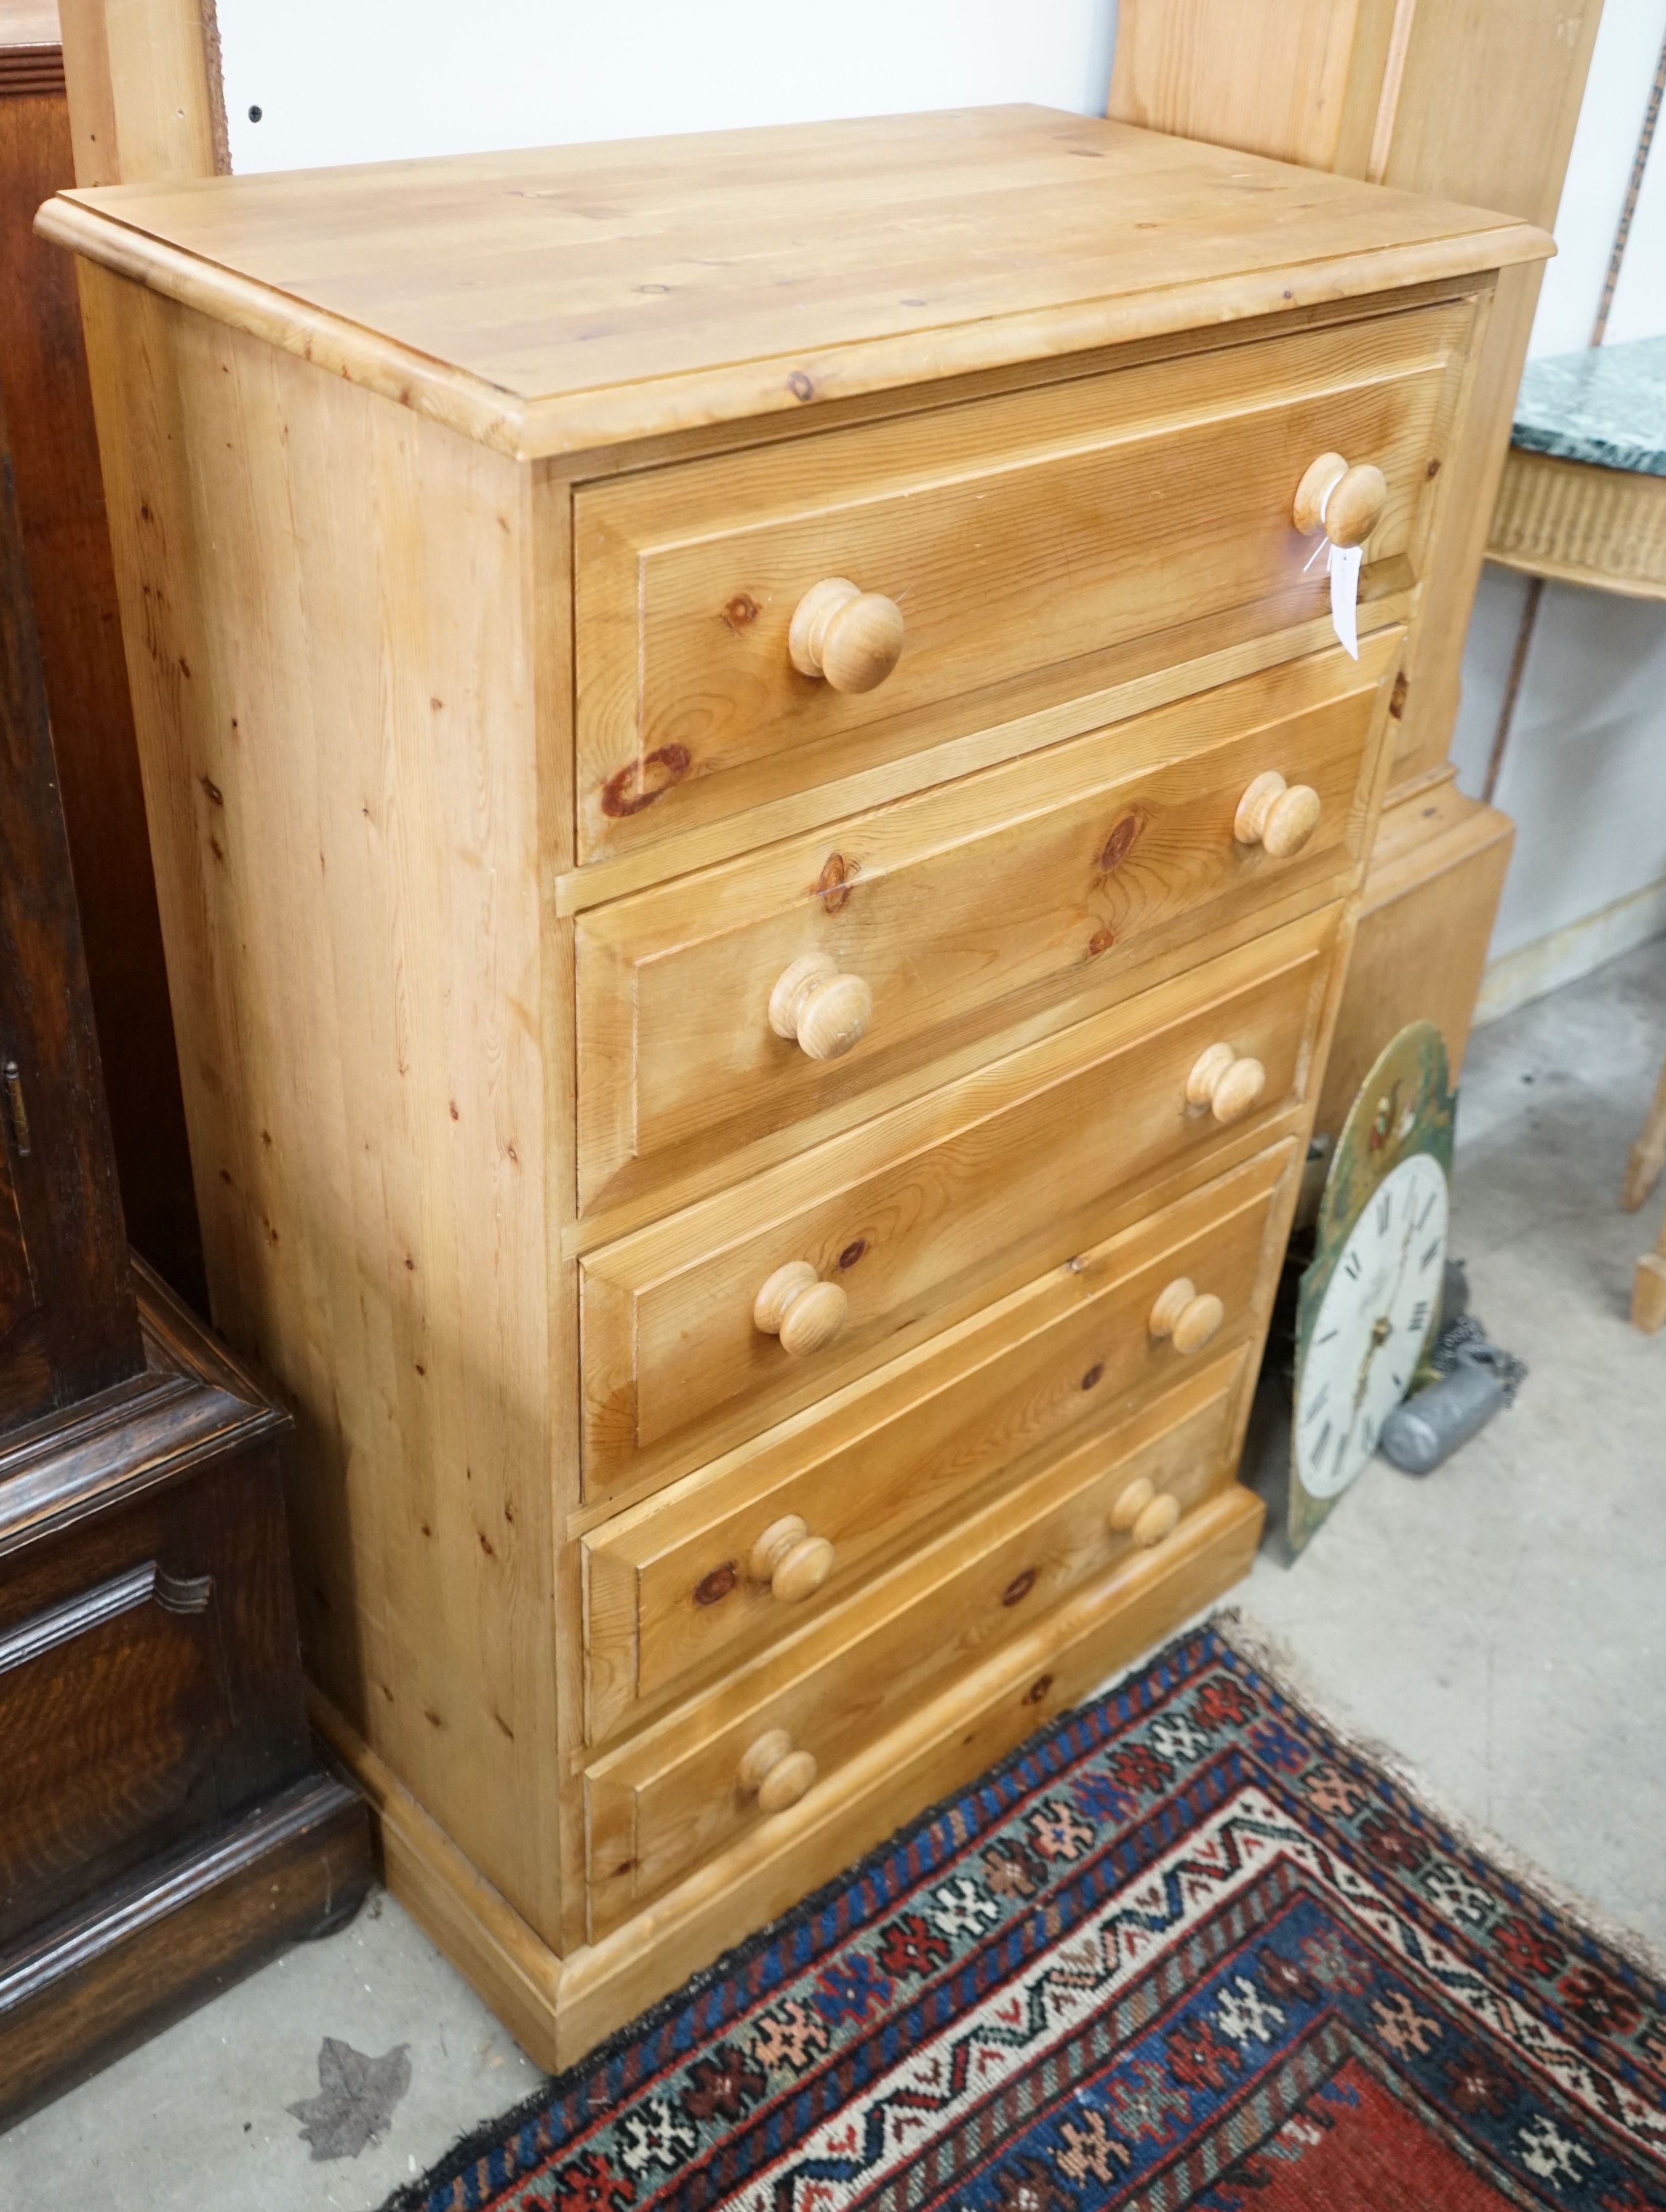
point(1383, 1327)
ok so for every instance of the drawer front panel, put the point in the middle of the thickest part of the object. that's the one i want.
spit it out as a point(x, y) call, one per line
point(113, 1723)
point(971, 1192)
point(1051, 878)
point(664, 1803)
point(674, 1592)
point(1037, 531)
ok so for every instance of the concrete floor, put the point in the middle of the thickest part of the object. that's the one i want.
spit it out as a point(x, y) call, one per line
point(1502, 1624)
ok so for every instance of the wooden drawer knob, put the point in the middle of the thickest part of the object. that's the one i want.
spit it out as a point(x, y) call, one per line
point(1131, 1504)
point(1187, 1319)
point(1144, 1513)
point(817, 1008)
point(1158, 1519)
point(1346, 503)
point(1279, 816)
point(1228, 1086)
point(775, 1773)
point(791, 1560)
point(798, 1307)
point(851, 637)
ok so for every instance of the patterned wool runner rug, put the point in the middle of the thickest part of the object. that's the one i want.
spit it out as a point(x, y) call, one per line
point(1189, 1948)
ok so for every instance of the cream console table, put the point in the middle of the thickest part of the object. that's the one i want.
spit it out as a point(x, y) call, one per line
point(758, 818)
point(1583, 495)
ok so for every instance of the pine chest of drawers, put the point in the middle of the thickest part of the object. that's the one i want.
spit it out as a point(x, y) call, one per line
point(756, 813)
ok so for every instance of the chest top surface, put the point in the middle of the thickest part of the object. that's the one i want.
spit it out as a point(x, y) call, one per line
point(553, 300)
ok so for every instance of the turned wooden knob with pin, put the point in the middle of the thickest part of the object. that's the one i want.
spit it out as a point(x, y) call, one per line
point(820, 1009)
point(797, 1306)
point(1346, 503)
point(1229, 1083)
point(851, 639)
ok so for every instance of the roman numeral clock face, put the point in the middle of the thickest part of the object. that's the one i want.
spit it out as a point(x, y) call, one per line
point(1372, 1326)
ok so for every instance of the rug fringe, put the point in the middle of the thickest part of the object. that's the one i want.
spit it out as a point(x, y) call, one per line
point(1273, 1658)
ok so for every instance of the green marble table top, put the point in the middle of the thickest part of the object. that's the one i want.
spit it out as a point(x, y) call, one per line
point(1607, 404)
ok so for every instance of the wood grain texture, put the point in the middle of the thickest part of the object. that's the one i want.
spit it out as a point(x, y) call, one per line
point(1431, 896)
point(150, 1674)
point(26, 1369)
point(84, 1334)
point(60, 498)
point(562, 2009)
point(1056, 879)
point(113, 1719)
point(519, 1147)
point(190, 1402)
point(1479, 101)
point(671, 1591)
point(786, 265)
point(1022, 535)
point(145, 99)
point(1487, 107)
point(1182, 661)
point(1488, 102)
point(1434, 650)
point(678, 1794)
point(163, 1827)
point(1034, 1677)
point(926, 1214)
point(474, 1924)
point(373, 1113)
point(1301, 80)
point(180, 1932)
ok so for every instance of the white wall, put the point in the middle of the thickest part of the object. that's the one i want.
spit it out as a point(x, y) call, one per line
point(1584, 774)
point(1616, 95)
point(378, 80)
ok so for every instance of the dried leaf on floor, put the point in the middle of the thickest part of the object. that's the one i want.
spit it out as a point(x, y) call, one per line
point(357, 2095)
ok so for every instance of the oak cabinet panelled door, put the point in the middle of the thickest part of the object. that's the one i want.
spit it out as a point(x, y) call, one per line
point(759, 818)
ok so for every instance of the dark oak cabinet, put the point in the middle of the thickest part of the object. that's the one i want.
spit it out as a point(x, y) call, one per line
point(66, 542)
point(165, 1825)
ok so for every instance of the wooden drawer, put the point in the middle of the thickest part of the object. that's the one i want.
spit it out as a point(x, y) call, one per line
point(1036, 534)
point(909, 1222)
point(672, 1591)
point(113, 1727)
point(1048, 880)
point(671, 1798)
point(941, 1745)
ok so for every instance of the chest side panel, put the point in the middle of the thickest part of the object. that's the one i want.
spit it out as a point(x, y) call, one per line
point(329, 633)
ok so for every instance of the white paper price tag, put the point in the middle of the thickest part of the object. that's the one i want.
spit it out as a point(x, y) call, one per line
point(1344, 564)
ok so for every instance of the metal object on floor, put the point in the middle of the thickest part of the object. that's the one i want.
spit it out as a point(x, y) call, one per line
point(1427, 1430)
point(1475, 1379)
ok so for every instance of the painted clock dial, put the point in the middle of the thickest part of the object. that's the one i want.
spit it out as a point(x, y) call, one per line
point(1370, 1298)
point(1371, 1325)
